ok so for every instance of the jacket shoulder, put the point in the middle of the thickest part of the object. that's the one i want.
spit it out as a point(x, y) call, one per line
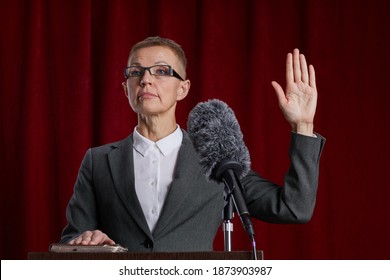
point(106, 148)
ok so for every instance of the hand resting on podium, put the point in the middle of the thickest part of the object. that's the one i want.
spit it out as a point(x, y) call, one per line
point(95, 237)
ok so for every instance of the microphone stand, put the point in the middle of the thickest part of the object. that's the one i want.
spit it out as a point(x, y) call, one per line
point(228, 171)
point(227, 225)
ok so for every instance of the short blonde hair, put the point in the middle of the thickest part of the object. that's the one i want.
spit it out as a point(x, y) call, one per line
point(163, 42)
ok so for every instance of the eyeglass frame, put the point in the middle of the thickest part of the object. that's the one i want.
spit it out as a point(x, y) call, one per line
point(172, 72)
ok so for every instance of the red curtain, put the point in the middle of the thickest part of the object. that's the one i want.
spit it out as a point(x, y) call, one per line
point(61, 66)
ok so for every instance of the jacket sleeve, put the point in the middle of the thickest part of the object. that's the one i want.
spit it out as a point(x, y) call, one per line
point(81, 210)
point(294, 202)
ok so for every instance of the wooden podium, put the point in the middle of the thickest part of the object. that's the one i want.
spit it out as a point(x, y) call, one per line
point(214, 255)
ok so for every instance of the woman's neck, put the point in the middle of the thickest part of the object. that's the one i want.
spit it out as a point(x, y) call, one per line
point(155, 128)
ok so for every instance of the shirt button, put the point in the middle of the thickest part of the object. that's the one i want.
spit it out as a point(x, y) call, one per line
point(152, 183)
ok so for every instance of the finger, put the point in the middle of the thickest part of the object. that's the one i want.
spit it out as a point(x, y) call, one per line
point(86, 237)
point(99, 238)
point(289, 69)
point(296, 66)
point(76, 241)
point(109, 241)
point(305, 73)
point(83, 239)
point(279, 92)
point(72, 242)
point(312, 75)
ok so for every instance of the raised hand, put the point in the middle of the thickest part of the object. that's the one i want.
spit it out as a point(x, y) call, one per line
point(298, 103)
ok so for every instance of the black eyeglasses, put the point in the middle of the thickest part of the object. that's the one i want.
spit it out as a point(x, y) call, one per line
point(155, 70)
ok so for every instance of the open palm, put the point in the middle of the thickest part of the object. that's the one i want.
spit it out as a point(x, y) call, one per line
point(298, 103)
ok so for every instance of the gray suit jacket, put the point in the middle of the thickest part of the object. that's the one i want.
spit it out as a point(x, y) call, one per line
point(104, 198)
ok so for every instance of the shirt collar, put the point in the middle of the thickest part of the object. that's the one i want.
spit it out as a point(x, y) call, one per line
point(142, 144)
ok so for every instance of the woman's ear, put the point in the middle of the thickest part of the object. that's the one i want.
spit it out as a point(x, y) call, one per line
point(125, 89)
point(183, 89)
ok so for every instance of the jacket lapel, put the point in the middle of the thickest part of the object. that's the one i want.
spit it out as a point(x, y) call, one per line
point(180, 187)
point(122, 170)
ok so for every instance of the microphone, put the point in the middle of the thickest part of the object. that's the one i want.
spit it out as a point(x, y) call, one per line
point(217, 138)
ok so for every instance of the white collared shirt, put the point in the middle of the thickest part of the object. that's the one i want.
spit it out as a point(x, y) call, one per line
point(154, 166)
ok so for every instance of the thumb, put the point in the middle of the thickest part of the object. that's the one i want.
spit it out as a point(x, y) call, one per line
point(279, 92)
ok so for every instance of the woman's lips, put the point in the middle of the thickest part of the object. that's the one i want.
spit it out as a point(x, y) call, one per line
point(146, 95)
